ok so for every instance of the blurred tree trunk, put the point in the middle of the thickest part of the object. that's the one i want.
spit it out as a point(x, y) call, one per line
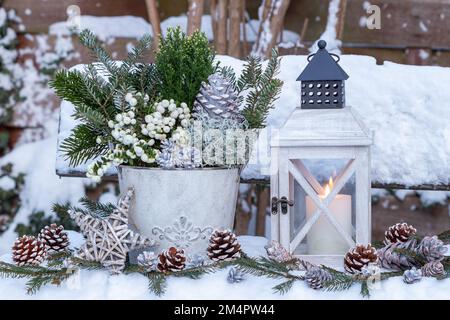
point(153, 15)
point(195, 13)
point(234, 43)
point(271, 24)
point(219, 21)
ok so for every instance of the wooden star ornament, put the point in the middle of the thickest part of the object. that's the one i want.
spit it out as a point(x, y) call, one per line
point(108, 240)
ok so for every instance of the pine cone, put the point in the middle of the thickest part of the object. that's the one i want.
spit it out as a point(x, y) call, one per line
point(172, 259)
point(389, 258)
point(412, 276)
point(399, 232)
point(277, 252)
point(218, 99)
point(54, 237)
point(223, 246)
point(432, 249)
point(235, 275)
point(433, 269)
point(28, 250)
point(147, 260)
point(358, 257)
point(316, 277)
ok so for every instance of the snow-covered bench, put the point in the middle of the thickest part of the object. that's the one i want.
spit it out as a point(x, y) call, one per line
point(407, 107)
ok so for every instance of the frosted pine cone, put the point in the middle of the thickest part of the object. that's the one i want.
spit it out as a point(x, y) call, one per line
point(165, 158)
point(172, 259)
point(54, 237)
point(28, 250)
point(235, 275)
point(223, 246)
point(316, 277)
point(433, 269)
point(358, 257)
point(277, 252)
point(399, 232)
point(147, 260)
point(432, 249)
point(218, 99)
point(389, 258)
point(412, 276)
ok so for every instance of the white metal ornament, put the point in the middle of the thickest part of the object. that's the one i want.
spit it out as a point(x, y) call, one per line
point(315, 135)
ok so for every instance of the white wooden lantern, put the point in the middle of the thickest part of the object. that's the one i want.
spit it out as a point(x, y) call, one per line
point(312, 217)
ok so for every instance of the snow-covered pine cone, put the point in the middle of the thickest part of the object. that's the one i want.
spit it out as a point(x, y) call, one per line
point(223, 246)
point(147, 260)
point(412, 275)
point(54, 238)
point(28, 250)
point(389, 258)
point(432, 248)
point(218, 99)
point(316, 277)
point(356, 258)
point(433, 269)
point(235, 275)
point(165, 158)
point(277, 252)
point(399, 232)
point(172, 259)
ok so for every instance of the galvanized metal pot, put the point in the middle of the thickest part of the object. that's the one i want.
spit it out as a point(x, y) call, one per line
point(180, 208)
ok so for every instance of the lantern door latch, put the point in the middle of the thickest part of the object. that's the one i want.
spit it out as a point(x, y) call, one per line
point(284, 202)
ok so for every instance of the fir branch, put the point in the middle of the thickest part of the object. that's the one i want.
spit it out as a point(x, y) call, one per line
point(339, 280)
point(86, 264)
point(157, 283)
point(365, 292)
point(263, 88)
point(98, 209)
point(284, 287)
point(418, 258)
point(81, 145)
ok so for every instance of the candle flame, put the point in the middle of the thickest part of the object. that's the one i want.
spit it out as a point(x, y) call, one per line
point(329, 186)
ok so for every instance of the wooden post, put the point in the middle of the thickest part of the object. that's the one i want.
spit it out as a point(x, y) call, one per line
point(244, 30)
point(195, 13)
point(214, 18)
point(234, 43)
point(273, 13)
point(263, 203)
point(152, 11)
point(341, 19)
point(221, 39)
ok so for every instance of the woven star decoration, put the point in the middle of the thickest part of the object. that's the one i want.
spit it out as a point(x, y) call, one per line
point(108, 240)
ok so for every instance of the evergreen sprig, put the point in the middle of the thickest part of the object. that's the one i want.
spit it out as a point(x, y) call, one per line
point(260, 87)
point(97, 95)
point(183, 63)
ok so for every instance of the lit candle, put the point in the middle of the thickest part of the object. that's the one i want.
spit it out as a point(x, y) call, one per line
point(323, 238)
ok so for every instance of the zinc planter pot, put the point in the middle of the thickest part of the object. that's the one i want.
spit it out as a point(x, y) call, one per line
point(181, 208)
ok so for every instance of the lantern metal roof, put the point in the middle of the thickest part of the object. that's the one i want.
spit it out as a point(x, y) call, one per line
point(322, 66)
point(322, 127)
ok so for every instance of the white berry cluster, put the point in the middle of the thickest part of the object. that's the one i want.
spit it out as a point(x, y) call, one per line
point(135, 138)
point(162, 122)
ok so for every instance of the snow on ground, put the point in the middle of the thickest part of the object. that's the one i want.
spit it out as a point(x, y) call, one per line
point(42, 186)
point(409, 117)
point(107, 28)
point(99, 285)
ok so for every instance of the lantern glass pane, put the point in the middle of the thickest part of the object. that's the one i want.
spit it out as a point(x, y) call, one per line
point(320, 177)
